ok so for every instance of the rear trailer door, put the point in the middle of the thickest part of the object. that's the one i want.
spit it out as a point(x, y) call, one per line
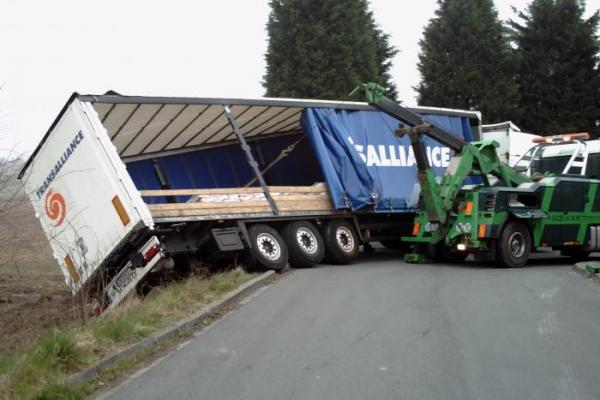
point(85, 200)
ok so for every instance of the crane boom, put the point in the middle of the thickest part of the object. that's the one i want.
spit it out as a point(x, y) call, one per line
point(375, 96)
point(504, 220)
point(476, 158)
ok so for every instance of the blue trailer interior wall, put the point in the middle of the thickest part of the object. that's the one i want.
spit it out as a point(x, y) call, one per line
point(299, 168)
point(226, 166)
point(365, 165)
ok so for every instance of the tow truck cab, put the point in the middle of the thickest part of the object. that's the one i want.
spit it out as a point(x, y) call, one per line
point(560, 209)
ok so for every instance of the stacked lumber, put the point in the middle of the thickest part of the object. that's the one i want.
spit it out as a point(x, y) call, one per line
point(240, 201)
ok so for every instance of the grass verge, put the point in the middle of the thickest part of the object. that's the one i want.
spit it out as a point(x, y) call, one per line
point(41, 370)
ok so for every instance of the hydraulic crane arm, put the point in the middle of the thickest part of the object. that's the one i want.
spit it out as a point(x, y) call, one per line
point(375, 96)
point(477, 158)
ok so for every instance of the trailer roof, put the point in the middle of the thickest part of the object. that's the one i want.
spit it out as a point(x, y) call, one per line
point(141, 126)
point(501, 126)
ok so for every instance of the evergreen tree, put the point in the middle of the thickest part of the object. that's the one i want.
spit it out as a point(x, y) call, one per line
point(558, 69)
point(324, 49)
point(466, 61)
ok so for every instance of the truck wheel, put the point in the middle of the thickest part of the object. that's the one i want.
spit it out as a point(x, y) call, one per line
point(514, 245)
point(341, 241)
point(268, 247)
point(304, 243)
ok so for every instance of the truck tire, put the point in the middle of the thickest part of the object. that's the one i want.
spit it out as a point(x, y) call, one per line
point(268, 247)
point(514, 245)
point(341, 242)
point(304, 243)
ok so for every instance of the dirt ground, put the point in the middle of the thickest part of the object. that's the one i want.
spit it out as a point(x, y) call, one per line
point(33, 295)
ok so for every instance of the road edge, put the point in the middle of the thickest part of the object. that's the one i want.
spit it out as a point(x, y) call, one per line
point(587, 269)
point(183, 326)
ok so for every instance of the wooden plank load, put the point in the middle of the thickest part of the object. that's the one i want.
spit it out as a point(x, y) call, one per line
point(236, 202)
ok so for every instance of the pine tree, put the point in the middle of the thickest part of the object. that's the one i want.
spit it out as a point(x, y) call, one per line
point(466, 61)
point(558, 69)
point(324, 49)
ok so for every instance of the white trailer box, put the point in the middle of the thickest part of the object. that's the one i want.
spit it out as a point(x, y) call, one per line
point(513, 143)
point(82, 194)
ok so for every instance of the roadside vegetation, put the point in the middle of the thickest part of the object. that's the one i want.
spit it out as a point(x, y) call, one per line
point(46, 337)
point(40, 370)
point(33, 295)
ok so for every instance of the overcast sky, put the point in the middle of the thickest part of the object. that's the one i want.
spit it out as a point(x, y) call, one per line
point(198, 48)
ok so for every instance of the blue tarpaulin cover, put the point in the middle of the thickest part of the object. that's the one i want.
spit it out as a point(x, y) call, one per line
point(365, 165)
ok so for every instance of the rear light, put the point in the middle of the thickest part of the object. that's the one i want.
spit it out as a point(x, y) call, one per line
point(416, 228)
point(482, 229)
point(151, 252)
point(466, 208)
point(469, 208)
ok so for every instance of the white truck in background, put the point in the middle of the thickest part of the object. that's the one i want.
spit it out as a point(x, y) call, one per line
point(513, 143)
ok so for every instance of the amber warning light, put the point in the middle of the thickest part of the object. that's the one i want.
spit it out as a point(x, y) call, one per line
point(567, 137)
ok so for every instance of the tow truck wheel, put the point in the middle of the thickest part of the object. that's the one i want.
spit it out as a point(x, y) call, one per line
point(268, 247)
point(341, 241)
point(514, 245)
point(304, 243)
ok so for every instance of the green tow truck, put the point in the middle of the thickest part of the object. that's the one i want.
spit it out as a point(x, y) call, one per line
point(513, 211)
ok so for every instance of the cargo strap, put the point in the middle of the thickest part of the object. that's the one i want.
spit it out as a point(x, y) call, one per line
point(250, 159)
point(284, 153)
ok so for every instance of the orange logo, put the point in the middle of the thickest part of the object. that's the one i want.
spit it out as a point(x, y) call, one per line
point(56, 208)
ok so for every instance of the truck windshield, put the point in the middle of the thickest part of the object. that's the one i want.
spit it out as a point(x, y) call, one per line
point(556, 165)
point(553, 165)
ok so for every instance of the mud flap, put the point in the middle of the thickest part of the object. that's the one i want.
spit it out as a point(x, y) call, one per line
point(415, 258)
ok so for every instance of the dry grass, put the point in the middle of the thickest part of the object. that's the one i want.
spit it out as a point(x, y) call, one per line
point(40, 371)
point(43, 337)
point(33, 295)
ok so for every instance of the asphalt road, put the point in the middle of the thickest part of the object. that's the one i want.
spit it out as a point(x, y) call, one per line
point(382, 329)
